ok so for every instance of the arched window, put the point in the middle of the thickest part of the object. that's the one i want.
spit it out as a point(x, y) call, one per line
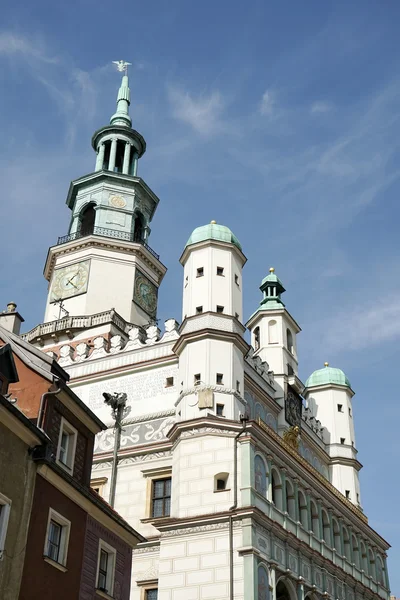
point(282, 591)
point(138, 228)
point(256, 333)
point(303, 510)
point(290, 499)
point(262, 583)
point(272, 332)
point(337, 544)
point(276, 489)
point(87, 219)
point(356, 551)
point(260, 476)
point(346, 544)
point(364, 558)
point(371, 563)
point(289, 341)
point(326, 528)
point(380, 571)
point(221, 482)
point(314, 519)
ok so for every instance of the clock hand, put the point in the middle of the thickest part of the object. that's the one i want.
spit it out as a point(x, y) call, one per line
point(70, 281)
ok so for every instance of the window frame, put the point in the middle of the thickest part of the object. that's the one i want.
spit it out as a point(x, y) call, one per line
point(110, 572)
point(199, 272)
point(100, 483)
point(163, 498)
point(220, 309)
point(65, 525)
point(66, 426)
point(5, 503)
point(220, 272)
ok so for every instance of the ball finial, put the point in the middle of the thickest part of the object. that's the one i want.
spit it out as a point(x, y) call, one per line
point(326, 364)
point(271, 270)
point(213, 222)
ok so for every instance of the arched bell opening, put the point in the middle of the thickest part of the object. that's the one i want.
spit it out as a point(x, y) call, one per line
point(138, 228)
point(119, 156)
point(87, 219)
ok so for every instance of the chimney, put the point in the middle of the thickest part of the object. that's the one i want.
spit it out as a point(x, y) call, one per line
point(10, 319)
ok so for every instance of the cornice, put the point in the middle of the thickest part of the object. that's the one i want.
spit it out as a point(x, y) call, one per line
point(113, 244)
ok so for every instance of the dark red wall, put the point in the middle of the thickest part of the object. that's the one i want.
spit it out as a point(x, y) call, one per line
point(40, 579)
point(122, 579)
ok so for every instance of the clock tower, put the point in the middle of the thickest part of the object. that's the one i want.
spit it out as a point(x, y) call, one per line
point(104, 263)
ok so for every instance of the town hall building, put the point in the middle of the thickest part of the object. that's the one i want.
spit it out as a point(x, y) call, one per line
point(242, 479)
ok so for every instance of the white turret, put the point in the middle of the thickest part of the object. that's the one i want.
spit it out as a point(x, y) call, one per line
point(328, 394)
point(211, 347)
point(273, 337)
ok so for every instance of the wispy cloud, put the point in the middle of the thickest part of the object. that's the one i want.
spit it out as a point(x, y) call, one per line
point(203, 113)
point(267, 104)
point(28, 48)
point(320, 107)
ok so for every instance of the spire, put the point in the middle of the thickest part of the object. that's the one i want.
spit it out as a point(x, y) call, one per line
point(121, 117)
point(272, 288)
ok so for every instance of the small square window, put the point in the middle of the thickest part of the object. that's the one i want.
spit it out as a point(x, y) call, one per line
point(238, 387)
point(237, 316)
point(200, 272)
point(57, 538)
point(220, 379)
point(197, 379)
point(221, 484)
point(161, 498)
point(169, 382)
point(340, 407)
point(5, 507)
point(66, 446)
point(342, 440)
point(220, 410)
point(220, 271)
point(199, 310)
point(220, 309)
point(348, 494)
point(237, 279)
point(106, 568)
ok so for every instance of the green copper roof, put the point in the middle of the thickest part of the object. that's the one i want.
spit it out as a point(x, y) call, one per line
point(121, 117)
point(213, 231)
point(271, 278)
point(327, 375)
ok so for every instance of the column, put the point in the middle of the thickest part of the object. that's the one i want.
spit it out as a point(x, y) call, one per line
point(300, 590)
point(269, 490)
point(113, 152)
point(350, 530)
point(134, 164)
point(272, 582)
point(127, 156)
point(100, 157)
point(284, 498)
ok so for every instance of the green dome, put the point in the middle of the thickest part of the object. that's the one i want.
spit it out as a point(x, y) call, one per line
point(327, 375)
point(213, 231)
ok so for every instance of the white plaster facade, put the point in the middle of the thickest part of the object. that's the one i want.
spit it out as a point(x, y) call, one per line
point(252, 511)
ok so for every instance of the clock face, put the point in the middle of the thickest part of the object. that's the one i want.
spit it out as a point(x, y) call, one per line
point(145, 294)
point(70, 281)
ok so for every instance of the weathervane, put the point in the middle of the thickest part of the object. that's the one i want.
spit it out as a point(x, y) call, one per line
point(122, 65)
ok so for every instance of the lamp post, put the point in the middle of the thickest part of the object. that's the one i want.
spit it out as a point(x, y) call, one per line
point(119, 410)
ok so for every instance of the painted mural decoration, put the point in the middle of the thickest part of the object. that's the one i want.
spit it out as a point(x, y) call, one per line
point(260, 475)
point(263, 585)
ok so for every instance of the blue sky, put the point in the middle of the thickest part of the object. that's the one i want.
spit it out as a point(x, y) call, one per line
point(278, 119)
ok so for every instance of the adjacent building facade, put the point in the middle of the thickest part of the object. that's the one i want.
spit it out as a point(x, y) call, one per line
point(242, 479)
point(58, 537)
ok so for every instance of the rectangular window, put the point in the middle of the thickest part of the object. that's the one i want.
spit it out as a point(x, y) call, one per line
point(106, 567)
point(348, 494)
point(220, 271)
point(220, 309)
point(66, 446)
point(350, 412)
point(237, 279)
point(151, 594)
point(199, 310)
point(220, 410)
point(169, 382)
point(340, 407)
point(5, 507)
point(237, 316)
point(342, 440)
point(161, 503)
point(98, 485)
point(197, 379)
point(220, 378)
point(57, 538)
point(238, 387)
point(200, 272)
